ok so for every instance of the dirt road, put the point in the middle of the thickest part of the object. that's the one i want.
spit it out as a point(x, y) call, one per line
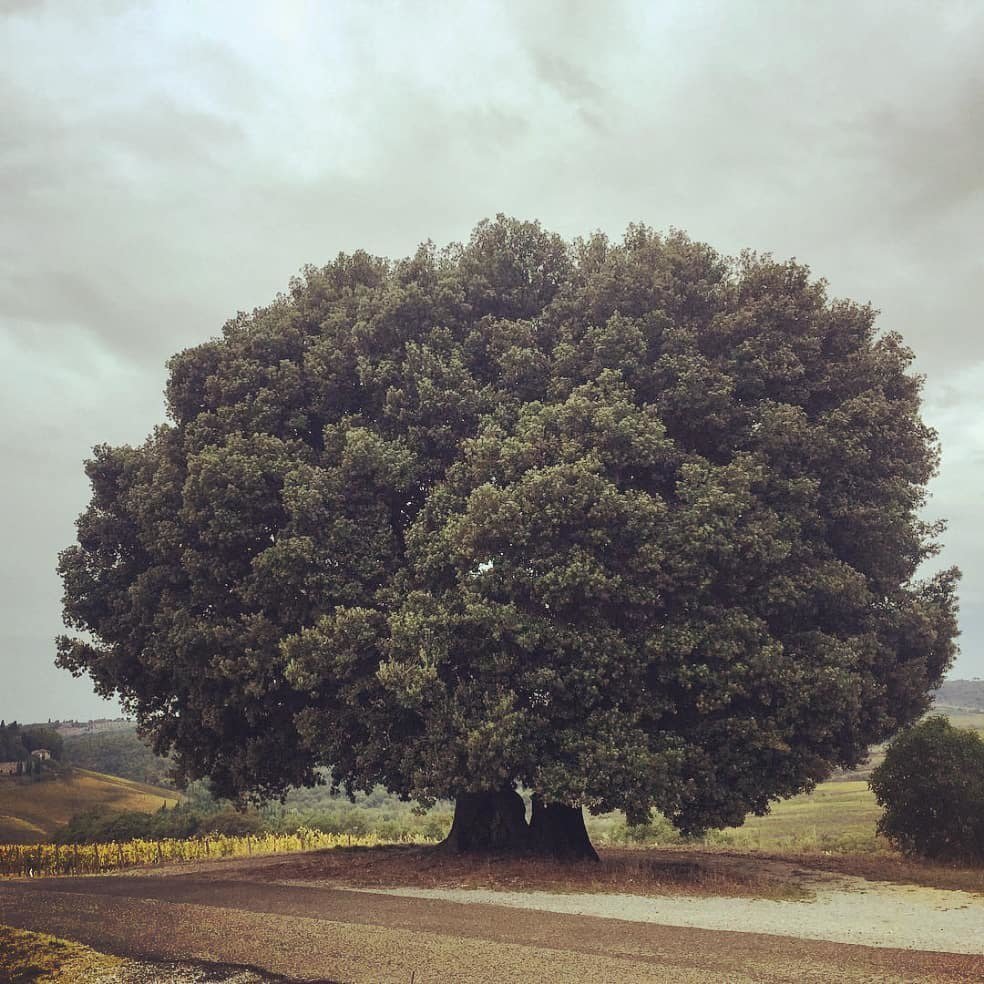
point(314, 933)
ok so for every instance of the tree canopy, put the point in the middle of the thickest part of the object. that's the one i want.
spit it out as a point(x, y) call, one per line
point(629, 524)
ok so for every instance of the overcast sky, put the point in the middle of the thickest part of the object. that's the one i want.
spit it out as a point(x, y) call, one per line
point(165, 165)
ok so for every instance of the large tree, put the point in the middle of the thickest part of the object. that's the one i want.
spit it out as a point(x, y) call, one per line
point(629, 525)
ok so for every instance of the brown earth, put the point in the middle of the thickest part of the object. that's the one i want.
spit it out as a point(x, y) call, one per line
point(646, 872)
point(674, 870)
point(316, 933)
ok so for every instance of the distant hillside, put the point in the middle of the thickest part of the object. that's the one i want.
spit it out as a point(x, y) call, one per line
point(31, 810)
point(118, 752)
point(961, 701)
point(966, 694)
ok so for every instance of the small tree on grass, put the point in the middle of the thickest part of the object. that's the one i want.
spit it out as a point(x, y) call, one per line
point(931, 785)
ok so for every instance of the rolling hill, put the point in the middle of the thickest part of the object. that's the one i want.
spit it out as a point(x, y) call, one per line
point(30, 811)
point(965, 694)
point(116, 752)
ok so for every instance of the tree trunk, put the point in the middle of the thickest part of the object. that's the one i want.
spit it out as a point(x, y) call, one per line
point(558, 831)
point(495, 823)
point(489, 823)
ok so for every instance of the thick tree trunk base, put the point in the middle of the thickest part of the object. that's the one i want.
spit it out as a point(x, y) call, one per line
point(495, 823)
point(492, 822)
point(558, 831)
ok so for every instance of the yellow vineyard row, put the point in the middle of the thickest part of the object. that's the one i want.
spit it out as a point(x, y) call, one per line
point(37, 860)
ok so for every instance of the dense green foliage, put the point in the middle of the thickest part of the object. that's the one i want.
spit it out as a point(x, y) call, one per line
point(931, 785)
point(101, 826)
point(118, 753)
point(17, 741)
point(628, 524)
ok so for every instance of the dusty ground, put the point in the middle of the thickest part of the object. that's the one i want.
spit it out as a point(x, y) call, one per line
point(285, 916)
point(652, 871)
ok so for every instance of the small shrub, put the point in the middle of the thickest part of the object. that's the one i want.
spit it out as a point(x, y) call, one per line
point(657, 831)
point(931, 785)
point(178, 822)
point(230, 823)
point(435, 826)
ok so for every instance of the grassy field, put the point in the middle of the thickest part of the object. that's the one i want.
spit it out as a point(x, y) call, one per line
point(30, 810)
point(961, 718)
point(27, 957)
point(837, 815)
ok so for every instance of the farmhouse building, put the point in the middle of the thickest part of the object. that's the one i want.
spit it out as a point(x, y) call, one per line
point(41, 753)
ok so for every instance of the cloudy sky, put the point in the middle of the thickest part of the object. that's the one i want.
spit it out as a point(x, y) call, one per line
point(165, 165)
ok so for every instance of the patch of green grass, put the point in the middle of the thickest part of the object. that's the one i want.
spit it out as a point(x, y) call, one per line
point(29, 957)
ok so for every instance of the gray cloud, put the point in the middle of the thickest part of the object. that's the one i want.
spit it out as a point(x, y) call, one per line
point(161, 168)
point(574, 85)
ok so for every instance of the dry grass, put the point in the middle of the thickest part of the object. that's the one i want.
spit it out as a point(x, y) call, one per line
point(30, 810)
point(17, 830)
point(961, 717)
point(621, 870)
point(28, 957)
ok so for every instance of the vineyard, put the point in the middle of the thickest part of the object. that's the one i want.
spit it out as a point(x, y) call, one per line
point(37, 860)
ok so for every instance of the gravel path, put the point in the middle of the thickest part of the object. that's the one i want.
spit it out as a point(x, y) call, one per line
point(843, 910)
point(316, 933)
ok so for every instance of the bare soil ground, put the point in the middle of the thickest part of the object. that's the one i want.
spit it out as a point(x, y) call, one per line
point(636, 871)
point(287, 916)
point(647, 871)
